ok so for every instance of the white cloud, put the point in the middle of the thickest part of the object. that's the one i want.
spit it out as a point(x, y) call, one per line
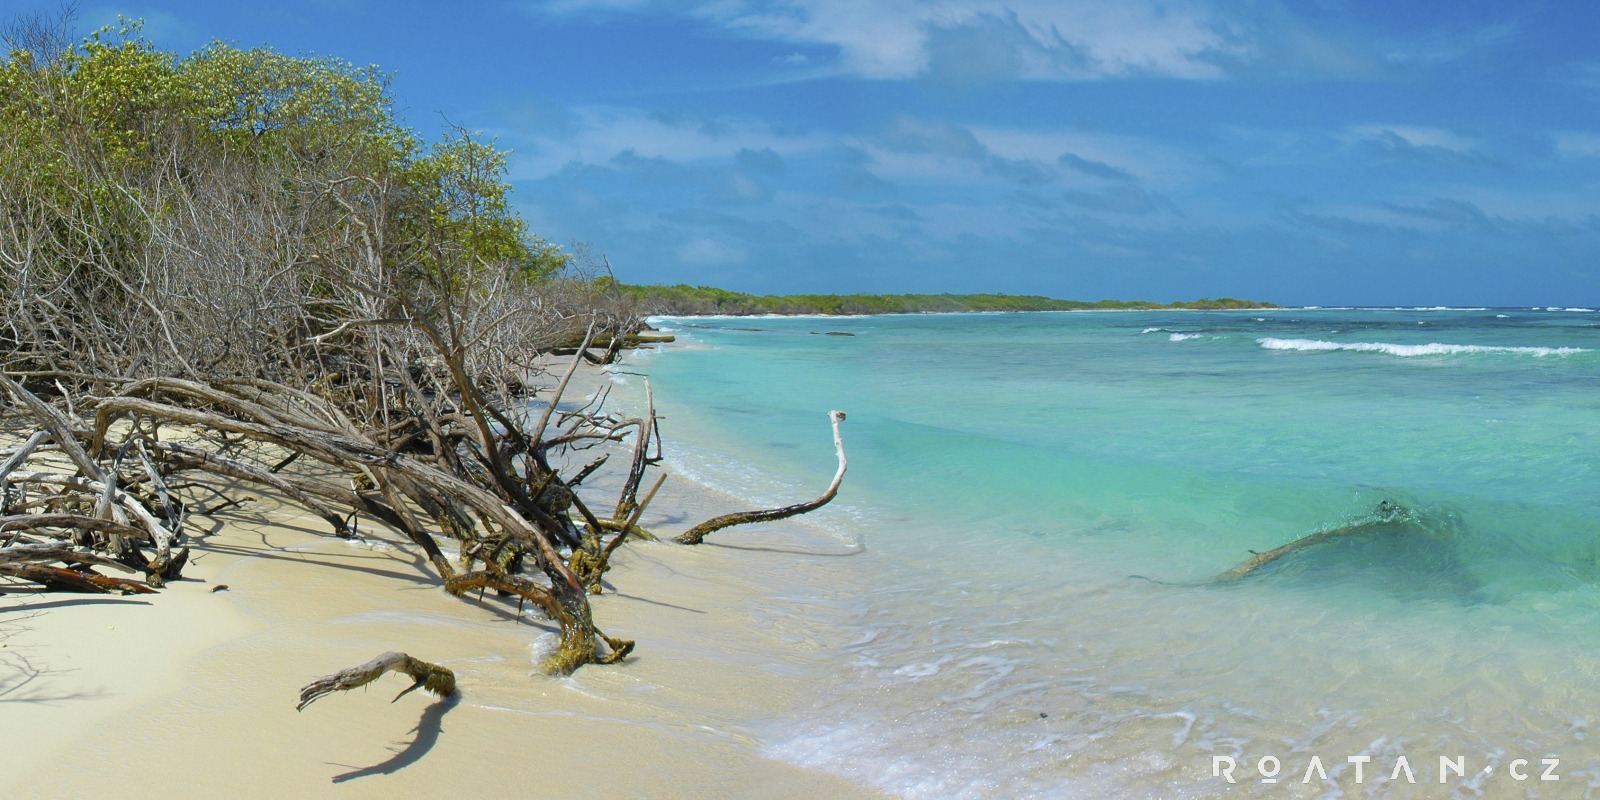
point(1033, 39)
point(597, 134)
point(972, 42)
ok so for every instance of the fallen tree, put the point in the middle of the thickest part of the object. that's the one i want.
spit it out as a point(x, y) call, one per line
point(87, 504)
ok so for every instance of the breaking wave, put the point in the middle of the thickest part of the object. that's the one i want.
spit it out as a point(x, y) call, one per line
point(1411, 350)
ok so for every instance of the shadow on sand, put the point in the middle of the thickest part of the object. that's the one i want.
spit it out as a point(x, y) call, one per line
point(427, 735)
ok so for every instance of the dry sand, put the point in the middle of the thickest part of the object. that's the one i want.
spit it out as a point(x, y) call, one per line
point(191, 692)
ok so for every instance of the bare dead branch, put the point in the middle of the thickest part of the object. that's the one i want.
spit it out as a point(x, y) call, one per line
point(698, 533)
point(436, 679)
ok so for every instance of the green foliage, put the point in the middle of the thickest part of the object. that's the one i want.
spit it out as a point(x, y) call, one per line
point(688, 300)
point(122, 93)
point(462, 187)
point(101, 135)
point(259, 92)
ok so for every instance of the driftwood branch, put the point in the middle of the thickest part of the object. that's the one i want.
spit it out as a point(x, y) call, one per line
point(436, 679)
point(40, 552)
point(58, 426)
point(189, 457)
point(17, 458)
point(590, 561)
point(561, 388)
point(60, 578)
point(628, 498)
point(698, 533)
point(81, 522)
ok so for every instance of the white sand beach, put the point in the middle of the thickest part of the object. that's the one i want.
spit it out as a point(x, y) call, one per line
point(191, 692)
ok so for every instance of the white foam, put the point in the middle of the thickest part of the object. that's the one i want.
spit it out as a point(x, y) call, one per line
point(1183, 337)
point(1411, 350)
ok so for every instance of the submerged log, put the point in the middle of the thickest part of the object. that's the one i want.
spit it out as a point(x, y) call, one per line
point(436, 679)
point(698, 533)
point(1385, 513)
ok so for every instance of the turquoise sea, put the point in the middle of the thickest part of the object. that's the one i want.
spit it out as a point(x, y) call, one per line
point(1038, 506)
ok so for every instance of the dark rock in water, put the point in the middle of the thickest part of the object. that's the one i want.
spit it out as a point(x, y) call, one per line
point(832, 333)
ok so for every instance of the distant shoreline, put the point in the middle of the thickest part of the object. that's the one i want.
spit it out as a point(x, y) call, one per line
point(682, 300)
point(1273, 308)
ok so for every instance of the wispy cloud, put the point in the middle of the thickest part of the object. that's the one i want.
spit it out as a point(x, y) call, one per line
point(1269, 41)
point(1092, 168)
point(1422, 144)
point(1121, 199)
point(1456, 212)
point(963, 42)
point(1578, 73)
point(1574, 144)
point(1446, 46)
point(1020, 156)
point(598, 134)
point(912, 135)
point(1344, 224)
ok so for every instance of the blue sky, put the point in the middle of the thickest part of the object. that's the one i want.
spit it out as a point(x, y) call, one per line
point(1300, 151)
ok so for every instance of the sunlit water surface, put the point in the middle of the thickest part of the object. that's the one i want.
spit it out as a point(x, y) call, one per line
point(1045, 500)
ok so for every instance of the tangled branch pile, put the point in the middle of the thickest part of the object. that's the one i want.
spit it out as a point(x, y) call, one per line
point(215, 266)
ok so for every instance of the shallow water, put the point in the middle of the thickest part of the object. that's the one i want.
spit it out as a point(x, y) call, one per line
point(1046, 498)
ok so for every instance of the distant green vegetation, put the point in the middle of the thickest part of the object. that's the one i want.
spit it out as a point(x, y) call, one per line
point(687, 300)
